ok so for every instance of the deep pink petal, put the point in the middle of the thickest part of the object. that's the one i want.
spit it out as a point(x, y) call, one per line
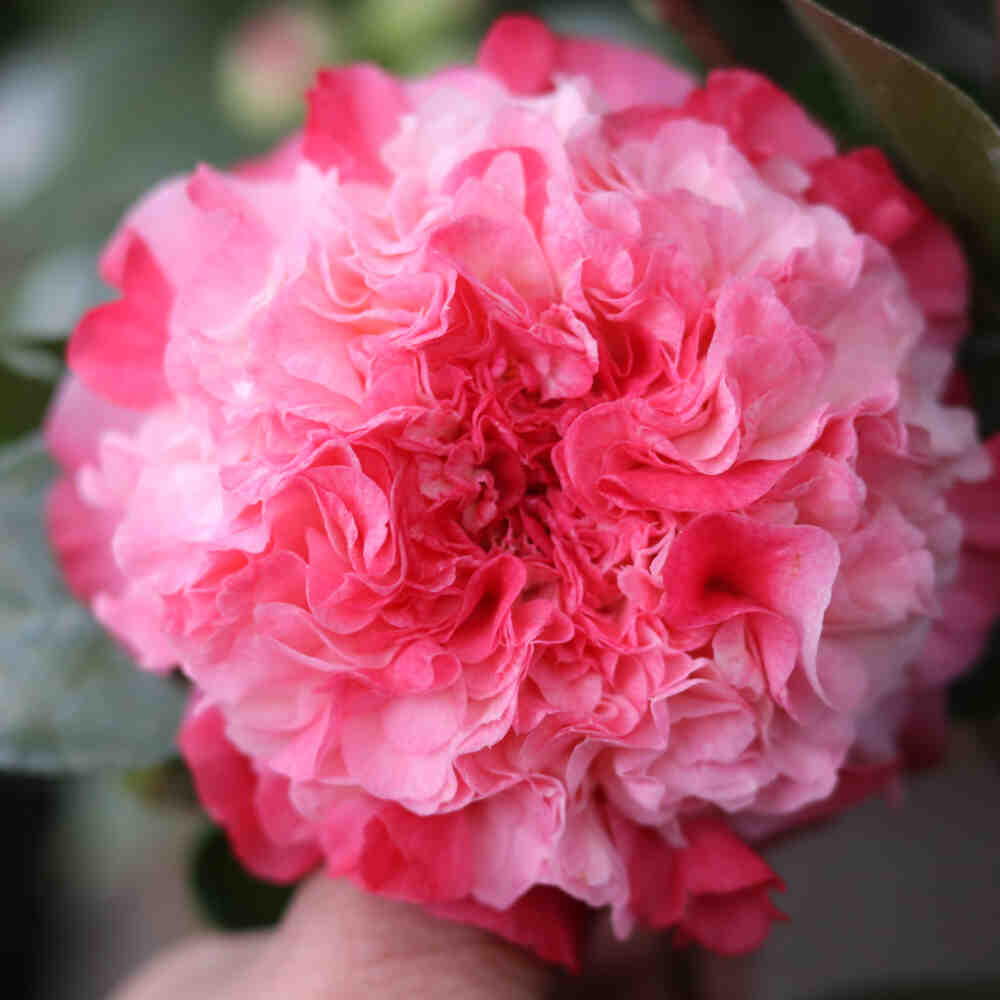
point(352, 112)
point(117, 348)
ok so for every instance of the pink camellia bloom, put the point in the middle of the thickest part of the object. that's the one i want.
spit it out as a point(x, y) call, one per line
point(545, 475)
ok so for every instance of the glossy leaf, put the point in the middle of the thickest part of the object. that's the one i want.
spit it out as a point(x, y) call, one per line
point(70, 699)
point(763, 36)
point(949, 146)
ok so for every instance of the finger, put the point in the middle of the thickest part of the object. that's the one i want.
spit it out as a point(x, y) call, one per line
point(204, 966)
point(340, 942)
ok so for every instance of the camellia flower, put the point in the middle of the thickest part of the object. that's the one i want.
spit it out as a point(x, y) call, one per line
point(547, 476)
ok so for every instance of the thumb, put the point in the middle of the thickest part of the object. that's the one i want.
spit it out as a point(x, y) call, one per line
point(337, 941)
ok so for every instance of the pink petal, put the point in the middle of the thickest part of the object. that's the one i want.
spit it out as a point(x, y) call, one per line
point(352, 113)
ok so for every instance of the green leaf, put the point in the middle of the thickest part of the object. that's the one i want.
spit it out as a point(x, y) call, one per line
point(763, 36)
point(944, 140)
point(70, 699)
point(23, 401)
point(112, 97)
point(31, 360)
point(228, 894)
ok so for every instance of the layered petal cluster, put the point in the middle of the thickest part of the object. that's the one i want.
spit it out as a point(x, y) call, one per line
point(545, 474)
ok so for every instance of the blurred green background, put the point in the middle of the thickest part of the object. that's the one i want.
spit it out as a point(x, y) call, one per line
point(99, 100)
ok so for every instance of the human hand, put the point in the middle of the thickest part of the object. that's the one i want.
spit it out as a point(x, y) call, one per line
point(339, 942)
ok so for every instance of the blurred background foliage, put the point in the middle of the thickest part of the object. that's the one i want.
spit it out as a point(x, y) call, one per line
point(101, 99)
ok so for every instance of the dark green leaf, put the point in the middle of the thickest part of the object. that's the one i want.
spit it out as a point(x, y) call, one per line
point(23, 402)
point(229, 895)
point(31, 360)
point(763, 36)
point(949, 146)
point(70, 699)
